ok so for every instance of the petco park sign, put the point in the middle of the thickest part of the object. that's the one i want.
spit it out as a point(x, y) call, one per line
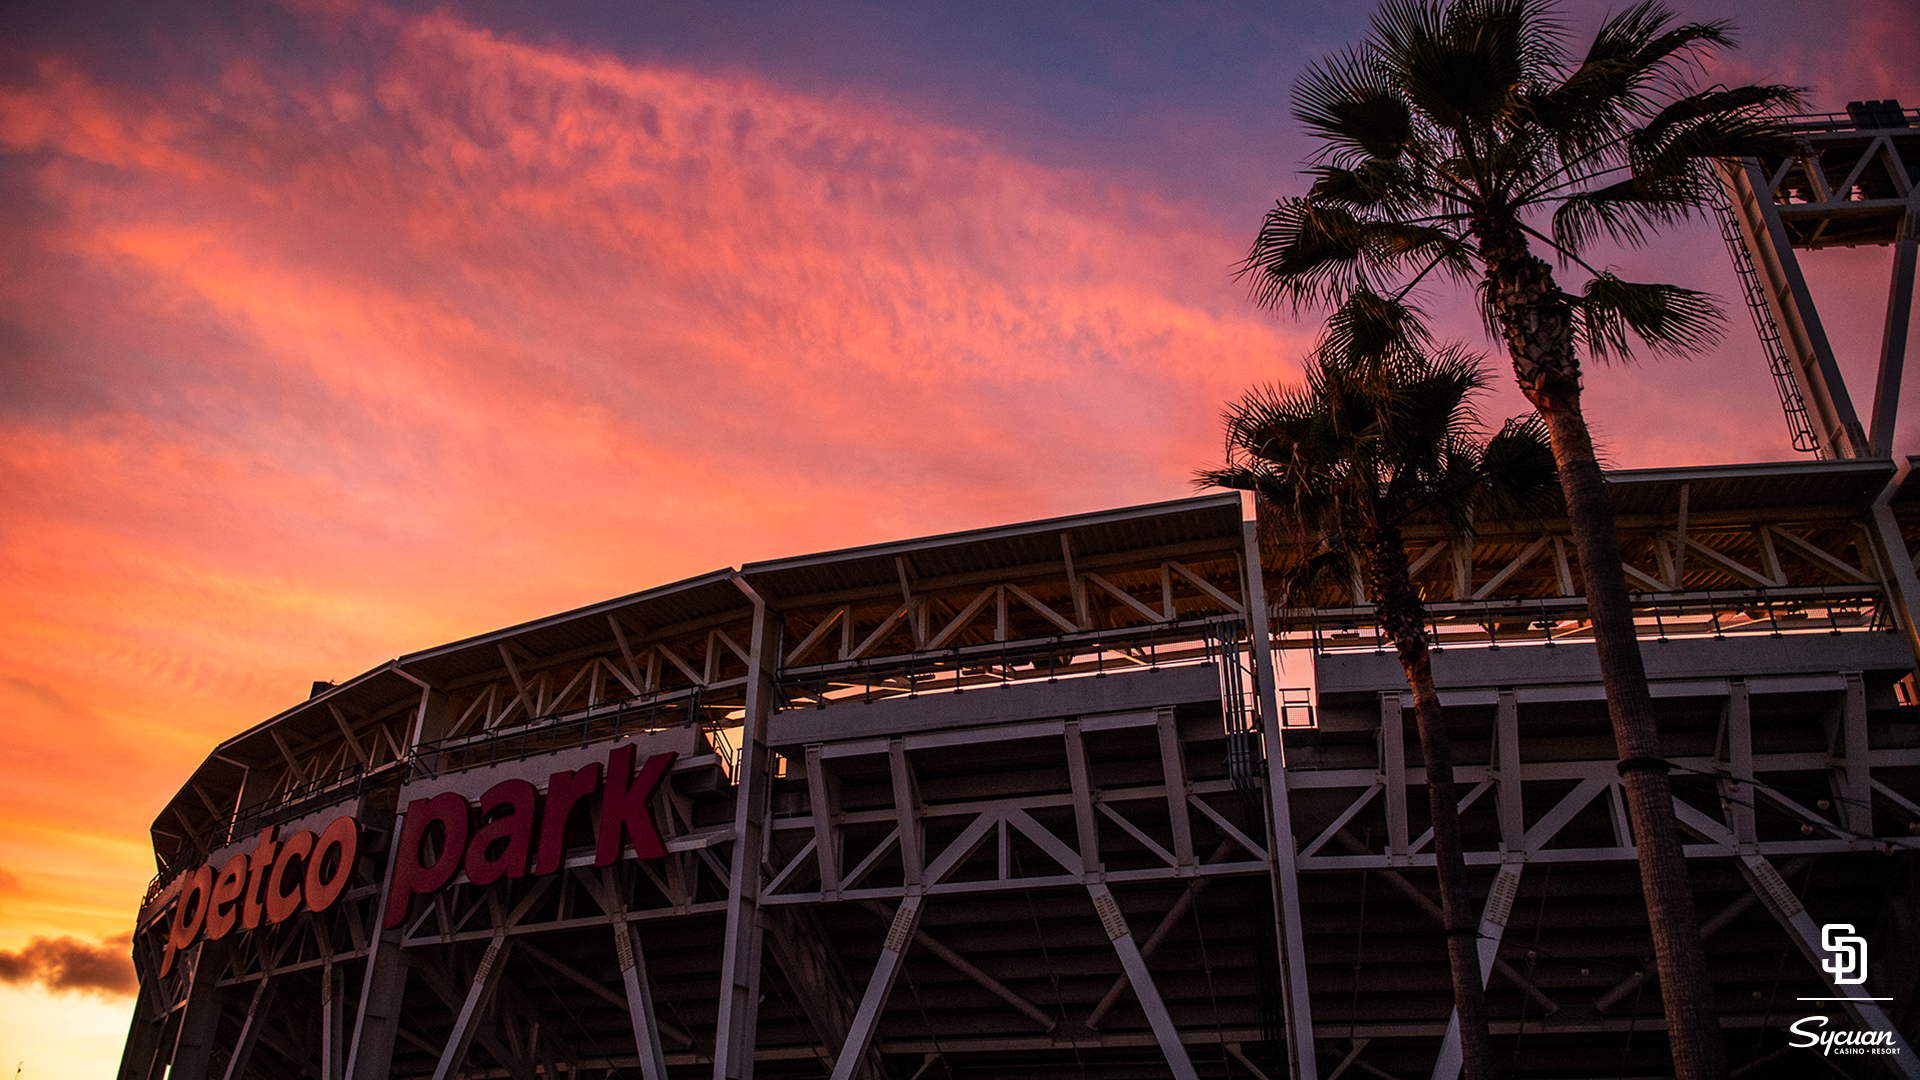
point(511, 832)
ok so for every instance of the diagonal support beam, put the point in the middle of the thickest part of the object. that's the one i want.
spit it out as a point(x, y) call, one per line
point(486, 978)
point(1785, 907)
point(1427, 904)
point(592, 986)
point(966, 967)
point(1144, 989)
point(251, 1027)
point(1493, 926)
point(885, 971)
point(633, 975)
point(1893, 337)
point(1178, 911)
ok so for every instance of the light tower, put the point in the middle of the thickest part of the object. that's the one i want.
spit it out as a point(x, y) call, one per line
point(1853, 179)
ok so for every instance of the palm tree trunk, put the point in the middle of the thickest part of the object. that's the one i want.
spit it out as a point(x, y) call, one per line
point(1535, 318)
point(1679, 953)
point(1403, 617)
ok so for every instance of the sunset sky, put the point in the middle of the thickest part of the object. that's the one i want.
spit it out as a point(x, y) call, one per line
point(333, 330)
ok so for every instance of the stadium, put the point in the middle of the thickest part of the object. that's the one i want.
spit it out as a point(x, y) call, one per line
point(1089, 796)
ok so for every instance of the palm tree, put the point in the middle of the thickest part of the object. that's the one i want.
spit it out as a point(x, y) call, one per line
point(1456, 137)
point(1339, 466)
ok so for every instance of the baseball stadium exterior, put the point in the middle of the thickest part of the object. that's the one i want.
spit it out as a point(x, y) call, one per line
point(1086, 797)
point(1077, 797)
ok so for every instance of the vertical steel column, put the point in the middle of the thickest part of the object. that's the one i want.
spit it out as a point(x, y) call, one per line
point(826, 847)
point(333, 1021)
point(1173, 766)
point(1856, 783)
point(1393, 773)
point(1746, 835)
point(740, 959)
point(199, 1017)
point(1895, 565)
point(1285, 874)
point(1080, 776)
point(384, 987)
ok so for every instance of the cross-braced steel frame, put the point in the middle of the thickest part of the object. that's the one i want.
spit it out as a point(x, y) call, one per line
point(1038, 800)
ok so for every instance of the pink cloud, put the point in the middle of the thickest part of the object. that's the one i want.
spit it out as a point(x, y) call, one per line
point(450, 330)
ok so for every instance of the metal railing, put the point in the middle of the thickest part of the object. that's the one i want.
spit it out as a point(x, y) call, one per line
point(547, 734)
point(1562, 620)
point(1092, 653)
point(1847, 121)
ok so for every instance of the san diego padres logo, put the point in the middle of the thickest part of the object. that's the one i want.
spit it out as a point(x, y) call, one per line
point(1848, 964)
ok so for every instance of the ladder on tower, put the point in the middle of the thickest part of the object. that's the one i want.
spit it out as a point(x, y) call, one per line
point(1799, 423)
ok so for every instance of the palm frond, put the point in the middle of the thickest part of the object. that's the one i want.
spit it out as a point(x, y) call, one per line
point(1632, 53)
point(1521, 479)
point(1355, 109)
point(1313, 252)
point(1305, 252)
point(1667, 318)
point(1390, 187)
point(1625, 212)
point(1367, 326)
point(1717, 123)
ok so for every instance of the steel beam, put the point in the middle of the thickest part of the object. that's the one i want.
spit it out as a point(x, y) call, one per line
point(1431, 907)
point(826, 846)
point(333, 1021)
point(800, 945)
point(1896, 571)
point(1173, 766)
point(1855, 780)
point(1284, 874)
point(1144, 989)
point(740, 958)
point(633, 973)
point(866, 1020)
point(250, 1027)
point(1080, 776)
point(199, 1021)
point(971, 970)
point(1493, 926)
point(1739, 786)
point(384, 986)
point(486, 978)
point(1893, 335)
point(1791, 303)
point(1393, 773)
point(1167, 922)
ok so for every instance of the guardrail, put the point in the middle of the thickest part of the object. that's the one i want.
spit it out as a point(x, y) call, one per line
point(1063, 656)
point(1561, 620)
point(546, 734)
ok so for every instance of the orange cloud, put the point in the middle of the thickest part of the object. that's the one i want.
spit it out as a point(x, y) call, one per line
point(68, 965)
point(322, 367)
